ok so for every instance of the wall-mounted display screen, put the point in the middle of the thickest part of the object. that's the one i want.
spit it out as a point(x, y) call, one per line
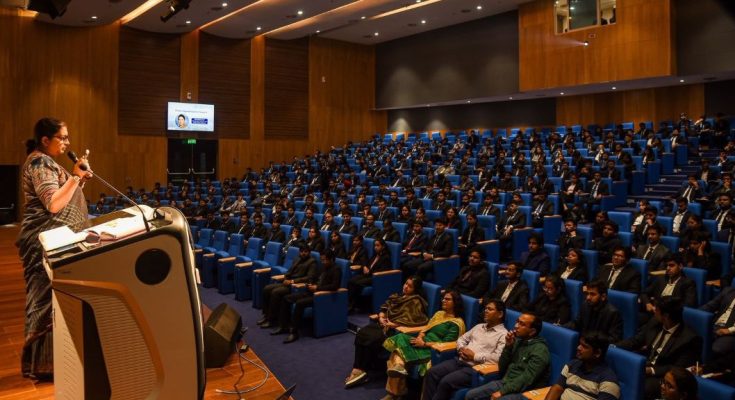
point(190, 117)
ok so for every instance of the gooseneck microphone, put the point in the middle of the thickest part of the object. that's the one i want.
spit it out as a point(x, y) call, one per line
point(73, 157)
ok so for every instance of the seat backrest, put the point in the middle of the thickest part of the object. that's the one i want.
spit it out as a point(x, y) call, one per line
point(205, 237)
point(395, 254)
point(627, 305)
point(591, 259)
point(624, 219)
point(586, 232)
point(235, 246)
point(291, 254)
point(699, 276)
point(253, 250)
point(628, 366)
point(471, 311)
point(724, 250)
point(553, 251)
point(562, 344)
point(642, 267)
point(671, 243)
point(574, 295)
point(432, 292)
point(701, 322)
point(532, 280)
point(710, 389)
point(272, 253)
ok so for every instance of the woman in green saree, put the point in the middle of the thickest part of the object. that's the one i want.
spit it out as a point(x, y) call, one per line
point(408, 351)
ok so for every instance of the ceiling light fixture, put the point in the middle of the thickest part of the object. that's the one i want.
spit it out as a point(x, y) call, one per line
point(174, 7)
point(317, 31)
point(224, 4)
point(510, 98)
point(363, 17)
point(94, 17)
point(188, 22)
point(140, 10)
point(614, 88)
point(376, 34)
point(479, 7)
point(300, 12)
point(423, 21)
point(257, 28)
point(586, 43)
point(681, 80)
point(561, 93)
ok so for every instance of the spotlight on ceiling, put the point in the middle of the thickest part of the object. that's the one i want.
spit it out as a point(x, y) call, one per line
point(174, 6)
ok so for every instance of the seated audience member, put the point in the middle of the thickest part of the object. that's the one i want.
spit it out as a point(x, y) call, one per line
point(596, 314)
point(587, 376)
point(691, 191)
point(573, 266)
point(315, 241)
point(598, 224)
point(294, 240)
point(536, 258)
point(724, 209)
point(336, 245)
point(259, 230)
point(329, 280)
point(409, 351)
point(674, 283)
point(596, 188)
point(473, 279)
point(607, 242)
point(347, 225)
point(541, 207)
point(694, 226)
point(699, 254)
point(619, 274)
point(369, 230)
point(452, 218)
point(414, 243)
point(524, 363)
point(389, 233)
point(291, 218)
point(309, 221)
point(440, 245)
point(482, 344)
point(570, 238)
point(679, 384)
point(328, 223)
point(512, 219)
point(513, 291)
point(358, 254)
point(488, 208)
point(469, 238)
point(303, 270)
point(649, 219)
point(666, 342)
point(364, 276)
point(723, 347)
point(406, 309)
point(680, 216)
point(654, 251)
point(275, 233)
point(383, 211)
point(551, 305)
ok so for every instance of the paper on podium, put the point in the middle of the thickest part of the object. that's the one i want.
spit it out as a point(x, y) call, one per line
point(122, 227)
point(59, 237)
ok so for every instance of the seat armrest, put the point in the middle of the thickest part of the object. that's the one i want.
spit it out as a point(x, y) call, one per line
point(715, 282)
point(278, 277)
point(297, 285)
point(208, 255)
point(262, 270)
point(373, 317)
point(226, 259)
point(444, 346)
point(355, 267)
point(486, 369)
point(198, 250)
point(410, 329)
point(246, 264)
point(657, 273)
point(537, 394)
point(326, 292)
point(389, 272)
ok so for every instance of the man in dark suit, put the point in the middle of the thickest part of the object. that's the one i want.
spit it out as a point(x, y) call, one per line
point(723, 347)
point(347, 225)
point(399, 180)
point(536, 258)
point(654, 252)
point(542, 207)
point(724, 201)
point(512, 219)
point(619, 274)
point(596, 188)
point(383, 211)
point(440, 245)
point(641, 231)
point(674, 283)
point(369, 230)
point(691, 191)
point(275, 234)
point(680, 216)
point(308, 222)
point(513, 291)
point(666, 342)
point(414, 243)
point(611, 172)
point(596, 314)
point(411, 201)
point(328, 223)
point(488, 208)
point(570, 238)
point(605, 244)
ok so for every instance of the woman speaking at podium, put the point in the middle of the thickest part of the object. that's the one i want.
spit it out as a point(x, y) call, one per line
point(53, 197)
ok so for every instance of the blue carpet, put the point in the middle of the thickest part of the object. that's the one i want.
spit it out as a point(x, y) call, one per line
point(318, 367)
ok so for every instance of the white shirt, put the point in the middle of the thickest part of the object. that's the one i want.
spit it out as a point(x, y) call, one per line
point(507, 291)
point(486, 342)
point(669, 288)
point(725, 316)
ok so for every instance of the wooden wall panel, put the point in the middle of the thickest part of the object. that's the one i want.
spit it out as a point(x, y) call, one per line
point(224, 80)
point(655, 105)
point(286, 88)
point(342, 92)
point(639, 45)
point(149, 78)
point(189, 88)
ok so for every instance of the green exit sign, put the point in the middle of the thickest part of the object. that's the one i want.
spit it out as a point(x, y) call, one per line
point(191, 141)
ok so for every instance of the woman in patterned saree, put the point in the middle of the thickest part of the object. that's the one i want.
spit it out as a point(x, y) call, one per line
point(53, 197)
point(408, 351)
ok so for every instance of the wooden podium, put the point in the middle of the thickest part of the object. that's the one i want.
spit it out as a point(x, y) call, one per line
point(127, 320)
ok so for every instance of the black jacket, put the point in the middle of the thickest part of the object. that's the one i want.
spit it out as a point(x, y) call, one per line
point(379, 262)
point(682, 349)
point(350, 228)
point(629, 279)
point(440, 245)
point(720, 304)
point(557, 311)
point(684, 289)
point(603, 319)
point(358, 256)
point(517, 299)
point(472, 282)
point(303, 270)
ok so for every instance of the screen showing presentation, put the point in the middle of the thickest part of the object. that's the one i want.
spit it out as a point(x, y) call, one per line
point(190, 117)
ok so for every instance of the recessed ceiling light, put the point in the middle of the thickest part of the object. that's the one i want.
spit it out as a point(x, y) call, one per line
point(681, 80)
point(561, 93)
point(94, 17)
point(418, 1)
point(300, 12)
point(613, 88)
point(423, 21)
point(224, 4)
point(428, 105)
point(510, 98)
point(571, 8)
point(317, 31)
point(586, 43)
point(376, 34)
point(188, 22)
point(363, 17)
point(479, 7)
point(469, 101)
point(258, 28)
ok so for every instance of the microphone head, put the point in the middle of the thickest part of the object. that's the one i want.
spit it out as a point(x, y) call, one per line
point(73, 157)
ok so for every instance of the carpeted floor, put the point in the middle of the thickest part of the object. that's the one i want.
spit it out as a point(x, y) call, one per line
point(318, 367)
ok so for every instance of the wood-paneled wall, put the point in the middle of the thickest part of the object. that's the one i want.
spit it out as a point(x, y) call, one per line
point(71, 74)
point(655, 105)
point(287, 88)
point(224, 80)
point(639, 45)
point(149, 78)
